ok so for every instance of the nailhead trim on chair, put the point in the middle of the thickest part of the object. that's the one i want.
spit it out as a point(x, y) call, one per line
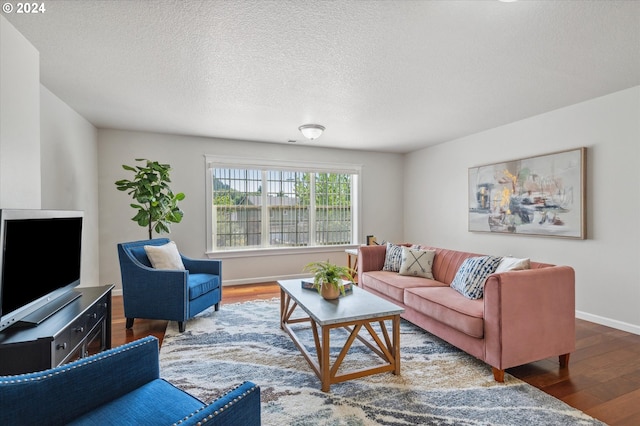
point(20, 379)
point(226, 406)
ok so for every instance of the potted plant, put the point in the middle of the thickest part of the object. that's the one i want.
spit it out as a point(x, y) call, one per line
point(158, 205)
point(327, 278)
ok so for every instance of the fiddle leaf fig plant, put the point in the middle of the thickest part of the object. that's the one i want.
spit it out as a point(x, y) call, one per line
point(157, 205)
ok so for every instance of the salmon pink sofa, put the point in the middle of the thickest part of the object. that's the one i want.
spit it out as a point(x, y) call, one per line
point(522, 317)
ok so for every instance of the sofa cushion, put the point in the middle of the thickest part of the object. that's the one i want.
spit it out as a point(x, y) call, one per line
point(157, 402)
point(165, 256)
point(473, 272)
point(393, 258)
point(447, 262)
point(200, 284)
point(449, 307)
point(417, 262)
point(392, 285)
point(513, 264)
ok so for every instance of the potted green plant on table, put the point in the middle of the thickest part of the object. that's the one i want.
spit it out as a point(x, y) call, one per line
point(327, 278)
point(158, 205)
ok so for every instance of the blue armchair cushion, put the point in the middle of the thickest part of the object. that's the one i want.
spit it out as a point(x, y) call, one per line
point(200, 284)
point(135, 408)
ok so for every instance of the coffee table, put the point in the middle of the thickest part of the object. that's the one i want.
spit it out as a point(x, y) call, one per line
point(353, 312)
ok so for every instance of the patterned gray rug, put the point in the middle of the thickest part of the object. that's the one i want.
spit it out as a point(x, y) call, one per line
point(439, 384)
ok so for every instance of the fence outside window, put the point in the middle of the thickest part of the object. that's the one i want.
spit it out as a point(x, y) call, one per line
point(262, 208)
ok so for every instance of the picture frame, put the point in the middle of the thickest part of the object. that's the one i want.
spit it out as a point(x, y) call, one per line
point(543, 195)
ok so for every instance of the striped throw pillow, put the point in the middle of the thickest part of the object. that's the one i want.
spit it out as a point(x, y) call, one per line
point(470, 278)
point(393, 258)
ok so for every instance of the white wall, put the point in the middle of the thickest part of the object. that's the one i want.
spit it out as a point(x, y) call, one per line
point(606, 264)
point(48, 152)
point(381, 198)
point(19, 120)
point(69, 150)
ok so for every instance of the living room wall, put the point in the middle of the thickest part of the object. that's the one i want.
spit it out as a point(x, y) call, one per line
point(606, 263)
point(19, 120)
point(381, 197)
point(69, 152)
point(48, 151)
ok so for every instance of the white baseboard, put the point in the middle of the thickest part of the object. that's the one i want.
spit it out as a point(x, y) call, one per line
point(262, 279)
point(619, 325)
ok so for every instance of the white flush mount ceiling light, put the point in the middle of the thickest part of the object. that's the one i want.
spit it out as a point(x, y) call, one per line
point(311, 131)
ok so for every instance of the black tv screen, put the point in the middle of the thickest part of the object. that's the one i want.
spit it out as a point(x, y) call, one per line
point(40, 259)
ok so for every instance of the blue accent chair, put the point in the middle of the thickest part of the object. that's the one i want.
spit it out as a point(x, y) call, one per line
point(172, 295)
point(120, 386)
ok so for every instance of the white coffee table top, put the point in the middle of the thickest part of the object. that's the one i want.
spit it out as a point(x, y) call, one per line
point(356, 306)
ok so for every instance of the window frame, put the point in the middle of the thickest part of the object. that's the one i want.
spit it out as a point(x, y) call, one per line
point(215, 161)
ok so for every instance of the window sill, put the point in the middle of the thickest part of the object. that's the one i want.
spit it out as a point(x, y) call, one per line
point(276, 251)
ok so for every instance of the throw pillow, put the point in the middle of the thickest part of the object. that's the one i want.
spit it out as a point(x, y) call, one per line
point(393, 258)
point(513, 264)
point(470, 278)
point(417, 263)
point(165, 256)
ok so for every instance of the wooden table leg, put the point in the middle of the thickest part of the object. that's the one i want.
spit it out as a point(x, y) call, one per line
point(282, 307)
point(396, 344)
point(325, 368)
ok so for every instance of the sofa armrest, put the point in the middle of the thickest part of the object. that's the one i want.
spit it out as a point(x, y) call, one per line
point(529, 315)
point(68, 391)
point(371, 258)
point(240, 406)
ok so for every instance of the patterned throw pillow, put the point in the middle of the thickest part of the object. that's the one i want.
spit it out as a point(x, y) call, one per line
point(393, 258)
point(470, 278)
point(417, 263)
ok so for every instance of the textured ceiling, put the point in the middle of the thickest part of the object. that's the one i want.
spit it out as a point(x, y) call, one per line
point(389, 76)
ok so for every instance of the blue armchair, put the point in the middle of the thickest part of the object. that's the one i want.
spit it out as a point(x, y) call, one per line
point(120, 386)
point(173, 295)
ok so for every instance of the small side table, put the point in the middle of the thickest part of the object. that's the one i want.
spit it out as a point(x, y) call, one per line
point(352, 261)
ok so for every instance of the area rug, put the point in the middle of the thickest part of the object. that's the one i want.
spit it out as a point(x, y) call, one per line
point(438, 385)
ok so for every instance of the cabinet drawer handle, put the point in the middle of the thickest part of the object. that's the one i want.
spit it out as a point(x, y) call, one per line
point(79, 329)
point(93, 315)
point(62, 346)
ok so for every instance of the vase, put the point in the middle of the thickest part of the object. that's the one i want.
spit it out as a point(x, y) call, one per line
point(330, 291)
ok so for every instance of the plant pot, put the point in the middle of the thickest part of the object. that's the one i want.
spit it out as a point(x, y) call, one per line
point(329, 291)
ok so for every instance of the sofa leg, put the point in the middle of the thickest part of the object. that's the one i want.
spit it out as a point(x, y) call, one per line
point(217, 306)
point(129, 323)
point(498, 375)
point(182, 326)
point(564, 360)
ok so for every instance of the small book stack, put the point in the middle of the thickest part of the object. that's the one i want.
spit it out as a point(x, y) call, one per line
point(307, 284)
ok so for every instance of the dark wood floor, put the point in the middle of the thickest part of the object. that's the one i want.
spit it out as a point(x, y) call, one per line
point(603, 378)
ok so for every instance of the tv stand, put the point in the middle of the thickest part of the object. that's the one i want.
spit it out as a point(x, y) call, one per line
point(78, 329)
point(36, 317)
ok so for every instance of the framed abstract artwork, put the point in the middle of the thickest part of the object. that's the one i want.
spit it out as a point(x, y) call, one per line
point(542, 195)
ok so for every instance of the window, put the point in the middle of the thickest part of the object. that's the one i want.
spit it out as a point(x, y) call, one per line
point(279, 205)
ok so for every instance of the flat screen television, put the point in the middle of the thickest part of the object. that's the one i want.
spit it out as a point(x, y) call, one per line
point(39, 263)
